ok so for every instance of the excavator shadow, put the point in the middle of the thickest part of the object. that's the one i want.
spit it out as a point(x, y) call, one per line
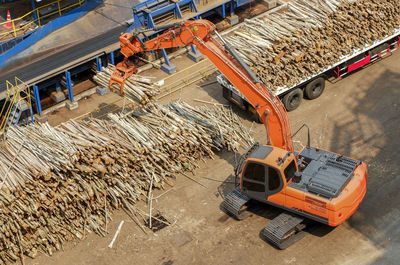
point(226, 187)
point(214, 89)
point(255, 209)
point(270, 213)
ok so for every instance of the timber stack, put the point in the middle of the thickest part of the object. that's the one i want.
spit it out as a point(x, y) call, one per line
point(61, 183)
point(284, 48)
point(138, 89)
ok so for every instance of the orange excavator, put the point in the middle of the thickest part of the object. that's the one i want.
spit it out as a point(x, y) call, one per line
point(310, 184)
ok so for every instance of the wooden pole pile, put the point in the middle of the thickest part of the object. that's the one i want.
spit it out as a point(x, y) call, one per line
point(139, 89)
point(60, 183)
point(311, 35)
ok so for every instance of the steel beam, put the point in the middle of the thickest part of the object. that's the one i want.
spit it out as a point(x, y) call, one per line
point(167, 66)
point(99, 64)
point(112, 58)
point(37, 100)
point(69, 85)
point(34, 12)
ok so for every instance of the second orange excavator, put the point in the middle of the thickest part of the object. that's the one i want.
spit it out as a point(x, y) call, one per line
point(310, 184)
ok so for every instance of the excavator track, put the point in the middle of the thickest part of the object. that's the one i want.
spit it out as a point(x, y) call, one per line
point(284, 230)
point(235, 203)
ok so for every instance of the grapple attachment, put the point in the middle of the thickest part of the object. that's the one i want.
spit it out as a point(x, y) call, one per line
point(123, 71)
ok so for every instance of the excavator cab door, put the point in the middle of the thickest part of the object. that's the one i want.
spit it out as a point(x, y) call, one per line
point(260, 181)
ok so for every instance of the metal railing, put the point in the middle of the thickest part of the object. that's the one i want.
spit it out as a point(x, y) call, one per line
point(187, 77)
point(35, 17)
point(16, 94)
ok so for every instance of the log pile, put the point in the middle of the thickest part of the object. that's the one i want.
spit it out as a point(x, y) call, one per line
point(60, 183)
point(139, 89)
point(311, 35)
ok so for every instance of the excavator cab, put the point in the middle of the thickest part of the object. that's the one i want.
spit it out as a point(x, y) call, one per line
point(266, 171)
point(312, 184)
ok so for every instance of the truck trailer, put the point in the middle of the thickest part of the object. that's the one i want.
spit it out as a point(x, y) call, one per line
point(312, 87)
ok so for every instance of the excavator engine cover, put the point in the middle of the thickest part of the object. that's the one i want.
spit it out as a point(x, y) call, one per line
point(326, 174)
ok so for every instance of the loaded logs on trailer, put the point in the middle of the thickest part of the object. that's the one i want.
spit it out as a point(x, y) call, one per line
point(60, 183)
point(285, 48)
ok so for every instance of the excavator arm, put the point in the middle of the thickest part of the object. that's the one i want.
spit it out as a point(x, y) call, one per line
point(202, 34)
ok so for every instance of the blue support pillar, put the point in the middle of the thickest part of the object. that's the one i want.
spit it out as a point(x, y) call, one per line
point(34, 12)
point(58, 87)
point(69, 85)
point(136, 20)
point(223, 10)
point(178, 12)
point(37, 100)
point(194, 54)
point(232, 19)
point(150, 21)
point(99, 64)
point(31, 111)
point(167, 66)
point(112, 58)
point(193, 6)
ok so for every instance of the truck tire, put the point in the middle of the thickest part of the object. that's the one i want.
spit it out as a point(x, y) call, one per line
point(293, 99)
point(315, 88)
point(226, 93)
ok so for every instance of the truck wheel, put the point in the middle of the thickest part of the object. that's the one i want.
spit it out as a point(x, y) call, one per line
point(315, 88)
point(226, 93)
point(293, 99)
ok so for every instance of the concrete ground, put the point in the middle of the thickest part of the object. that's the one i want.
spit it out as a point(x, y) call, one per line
point(357, 117)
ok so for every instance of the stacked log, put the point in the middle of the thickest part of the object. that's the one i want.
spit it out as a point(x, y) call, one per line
point(139, 89)
point(311, 35)
point(60, 183)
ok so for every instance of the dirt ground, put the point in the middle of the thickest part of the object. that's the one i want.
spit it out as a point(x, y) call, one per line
point(357, 116)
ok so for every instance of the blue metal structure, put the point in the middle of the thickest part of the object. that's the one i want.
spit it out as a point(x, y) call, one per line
point(152, 13)
point(37, 100)
point(9, 44)
point(146, 15)
point(19, 108)
point(34, 13)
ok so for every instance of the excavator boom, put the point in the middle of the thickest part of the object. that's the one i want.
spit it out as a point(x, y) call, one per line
point(202, 34)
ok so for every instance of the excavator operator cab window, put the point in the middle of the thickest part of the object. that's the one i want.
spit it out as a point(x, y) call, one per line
point(260, 179)
point(290, 170)
point(254, 177)
point(274, 179)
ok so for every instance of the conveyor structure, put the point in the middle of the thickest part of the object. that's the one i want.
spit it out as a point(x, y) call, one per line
point(59, 68)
